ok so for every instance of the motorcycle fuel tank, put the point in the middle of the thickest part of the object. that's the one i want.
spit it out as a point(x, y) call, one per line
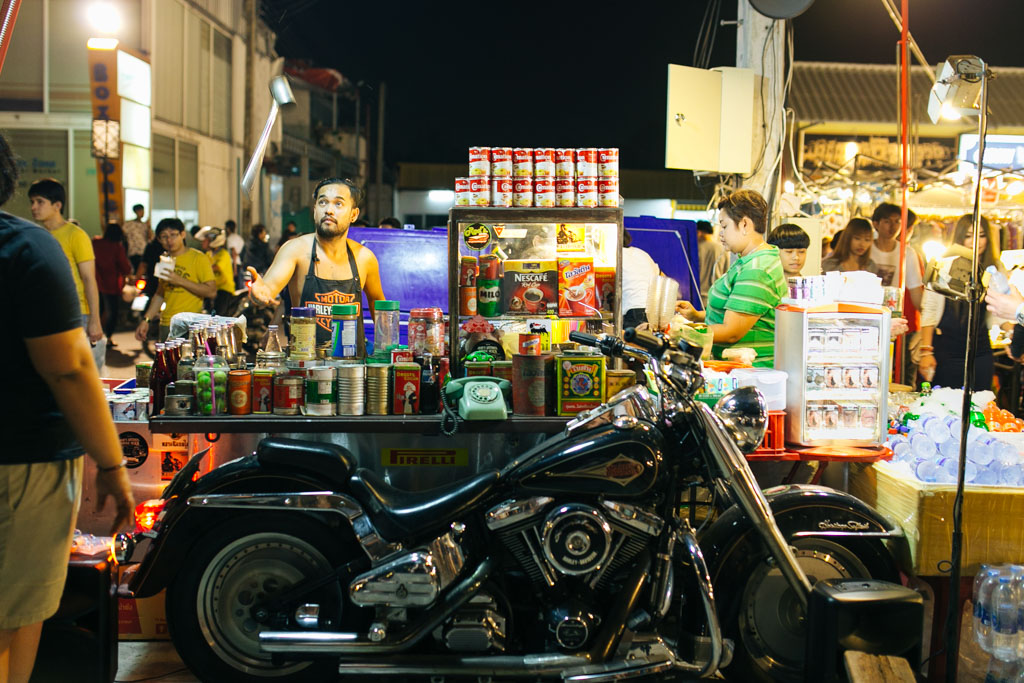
point(608, 460)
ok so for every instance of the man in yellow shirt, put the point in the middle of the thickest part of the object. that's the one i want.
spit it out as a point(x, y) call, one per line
point(182, 289)
point(47, 197)
point(215, 245)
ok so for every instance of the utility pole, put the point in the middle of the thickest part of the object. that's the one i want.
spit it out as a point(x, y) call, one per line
point(245, 220)
point(761, 47)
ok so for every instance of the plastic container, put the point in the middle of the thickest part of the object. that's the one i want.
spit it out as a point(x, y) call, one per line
point(771, 383)
point(345, 331)
point(386, 326)
point(426, 331)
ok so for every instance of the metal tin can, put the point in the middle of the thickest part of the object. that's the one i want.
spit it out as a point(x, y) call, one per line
point(608, 191)
point(544, 191)
point(490, 267)
point(586, 161)
point(401, 355)
point(478, 368)
point(177, 404)
point(586, 191)
point(479, 161)
point(467, 301)
point(239, 392)
point(262, 391)
point(405, 389)
point(608, 161)
point(320, 389)
point(565, 191)
point(502, 369)
point(501, 191)
point(288, 391)
point(522, 162)
point(480, 191)
point(565, 162)
point(501, 161)
point(529, 344)
point(532, 384)
point(543, 162)
point(462, 192)
point(488, 297)
point(522, 191)
point(469, 268)
point(617, 380)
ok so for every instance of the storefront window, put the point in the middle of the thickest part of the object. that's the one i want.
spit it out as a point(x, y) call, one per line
point(41, 154)
point(221, 85)
point(168, 60)
point(21, 82)
point(197, 73)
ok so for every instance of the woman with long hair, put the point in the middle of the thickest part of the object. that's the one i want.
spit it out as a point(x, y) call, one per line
point(111, 268)
point(853, 250)
point(944, 322)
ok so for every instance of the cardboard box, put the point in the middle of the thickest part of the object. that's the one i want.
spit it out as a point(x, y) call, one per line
point(579, 382)
point(577, 295)
point(604, 284)
point(530, 288)
point(141, 618)
point(992, 529)
point(405, 389)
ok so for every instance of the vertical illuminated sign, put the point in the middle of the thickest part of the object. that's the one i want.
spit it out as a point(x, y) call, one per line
point(106, 106)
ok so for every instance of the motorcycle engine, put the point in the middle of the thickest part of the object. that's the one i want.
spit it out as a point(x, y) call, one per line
point(576, 539)
point(479, 626)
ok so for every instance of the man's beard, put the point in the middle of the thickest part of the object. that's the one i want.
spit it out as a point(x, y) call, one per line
point(330, 229)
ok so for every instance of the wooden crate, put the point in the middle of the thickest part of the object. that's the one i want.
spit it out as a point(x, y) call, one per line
point(993, 518)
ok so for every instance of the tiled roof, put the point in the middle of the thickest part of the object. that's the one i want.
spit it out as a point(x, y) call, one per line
point(869, 93)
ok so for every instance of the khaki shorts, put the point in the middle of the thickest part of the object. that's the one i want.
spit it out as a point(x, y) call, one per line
point(38, 509)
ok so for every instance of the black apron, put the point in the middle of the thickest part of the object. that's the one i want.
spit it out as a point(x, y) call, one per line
point(321, 294)
point(950, 342)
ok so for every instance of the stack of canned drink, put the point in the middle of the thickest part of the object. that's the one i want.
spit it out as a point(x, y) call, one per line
point(540, 176)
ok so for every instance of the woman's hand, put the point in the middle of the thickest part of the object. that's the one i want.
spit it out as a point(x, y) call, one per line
point(897, 327)
point(927, 365)
point(1004, 305)
point(686, 309)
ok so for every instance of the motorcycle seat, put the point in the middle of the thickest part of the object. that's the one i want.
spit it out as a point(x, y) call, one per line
point(322, 460)
point(399, 514)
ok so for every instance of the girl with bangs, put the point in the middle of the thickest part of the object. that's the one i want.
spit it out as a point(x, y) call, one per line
point(853, 250)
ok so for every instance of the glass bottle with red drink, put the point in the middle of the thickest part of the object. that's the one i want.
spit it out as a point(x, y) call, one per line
point(159, 378)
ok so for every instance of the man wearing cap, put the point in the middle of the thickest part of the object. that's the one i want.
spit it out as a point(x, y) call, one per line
point(325, 267)
point(214, 244)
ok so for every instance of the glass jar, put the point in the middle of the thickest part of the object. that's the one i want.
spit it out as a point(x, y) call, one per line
point(211, 389)
point(302, 344)
point(386, 319)
point(426, 331)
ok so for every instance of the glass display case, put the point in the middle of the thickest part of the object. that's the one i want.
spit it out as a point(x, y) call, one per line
point(524, 269)
point(837, 360)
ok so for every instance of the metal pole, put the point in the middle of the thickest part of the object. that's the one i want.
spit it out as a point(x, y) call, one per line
point(974, 292)
point(904, 177)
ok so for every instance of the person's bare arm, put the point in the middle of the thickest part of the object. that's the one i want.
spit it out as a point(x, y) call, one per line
point(152, 309)
point(204, 290)
point(65, 363)
point(915, 296)
point(371, 282)
point(87, 270)
point(686, 309)
point(733, 327)
point(265, 288)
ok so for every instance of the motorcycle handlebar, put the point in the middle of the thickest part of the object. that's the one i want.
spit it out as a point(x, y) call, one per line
point(585, 339)
point(645, 340)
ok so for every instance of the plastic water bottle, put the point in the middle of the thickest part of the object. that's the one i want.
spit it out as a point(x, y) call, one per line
point(997, 280)
point(1010, 475)
point(950, 448)
point(1004, 452)
point(1005, 603)
point(922, 445)
point(901, 450)
point(936, 429)
point(983, 608)
point(929, 471)
point(986, 476)
point(952, 468)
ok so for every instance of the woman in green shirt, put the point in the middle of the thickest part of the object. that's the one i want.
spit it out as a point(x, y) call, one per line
point(741, 303)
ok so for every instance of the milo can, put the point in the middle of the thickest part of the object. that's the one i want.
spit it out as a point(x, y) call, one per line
point(488, 298)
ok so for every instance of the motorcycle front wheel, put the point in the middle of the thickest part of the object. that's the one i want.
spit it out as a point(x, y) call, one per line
point(760, 611)
point(210, 603)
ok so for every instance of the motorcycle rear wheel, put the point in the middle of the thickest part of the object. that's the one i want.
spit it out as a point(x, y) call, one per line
point(760, 611)
point(209, 603)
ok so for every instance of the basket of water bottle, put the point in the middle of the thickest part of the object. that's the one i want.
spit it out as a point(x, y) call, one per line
point(998, 600)
point(930, 451)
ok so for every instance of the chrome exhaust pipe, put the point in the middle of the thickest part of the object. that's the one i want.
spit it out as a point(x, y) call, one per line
point(547, 664)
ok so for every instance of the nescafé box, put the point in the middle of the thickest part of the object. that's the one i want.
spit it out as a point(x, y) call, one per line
point(579, 380)
point(530, 287)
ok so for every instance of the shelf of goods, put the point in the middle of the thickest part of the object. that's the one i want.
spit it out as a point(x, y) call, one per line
point(363, 424)
point(837, 362)
point(559, 264)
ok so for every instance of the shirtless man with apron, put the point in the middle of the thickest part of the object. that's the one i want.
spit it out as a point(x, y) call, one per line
point(325, 268)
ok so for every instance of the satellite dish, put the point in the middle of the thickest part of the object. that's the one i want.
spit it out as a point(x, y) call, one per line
point(781, 9)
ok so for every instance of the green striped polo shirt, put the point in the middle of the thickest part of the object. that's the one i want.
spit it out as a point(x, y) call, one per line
point(754, 285)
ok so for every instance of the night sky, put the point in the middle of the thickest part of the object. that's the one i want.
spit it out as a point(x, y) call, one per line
point(575, 74)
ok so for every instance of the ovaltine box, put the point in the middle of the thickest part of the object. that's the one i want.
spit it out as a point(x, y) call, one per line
point(579, 382)
point(530, 288)
point(576, 290)
point(604, 283)
point(992, 534)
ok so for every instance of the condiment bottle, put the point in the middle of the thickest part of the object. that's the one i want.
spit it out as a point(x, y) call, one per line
point(303, 337)
point(386, 321)
point(344, 331)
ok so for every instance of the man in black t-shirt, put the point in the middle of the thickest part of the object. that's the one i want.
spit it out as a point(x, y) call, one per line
point(51, 413)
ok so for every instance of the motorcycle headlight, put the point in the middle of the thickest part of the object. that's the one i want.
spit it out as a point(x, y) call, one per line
point(745, 415)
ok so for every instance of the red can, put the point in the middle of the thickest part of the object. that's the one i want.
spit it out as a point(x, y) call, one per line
point(522, 162)
point(522, 191)
point(608, 161)
point(468, 270)
point(479, 161)
point(288, 394)
point(586, 191)
point(544, 191)
point(586, 161)
point(462, 192)
point(565, 191)
point(489, 267)
point(565, 162)
point(501, 191)
point(467, 300)
point(262, 390)
point(529, 344)
point(608, 191)
point(401, 356)
point(501, 161)
point(444, 370)
point(543, 162)
point(480, 190)
point(239, 392)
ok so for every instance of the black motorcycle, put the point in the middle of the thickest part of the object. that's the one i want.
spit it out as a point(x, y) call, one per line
point(577, 560)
